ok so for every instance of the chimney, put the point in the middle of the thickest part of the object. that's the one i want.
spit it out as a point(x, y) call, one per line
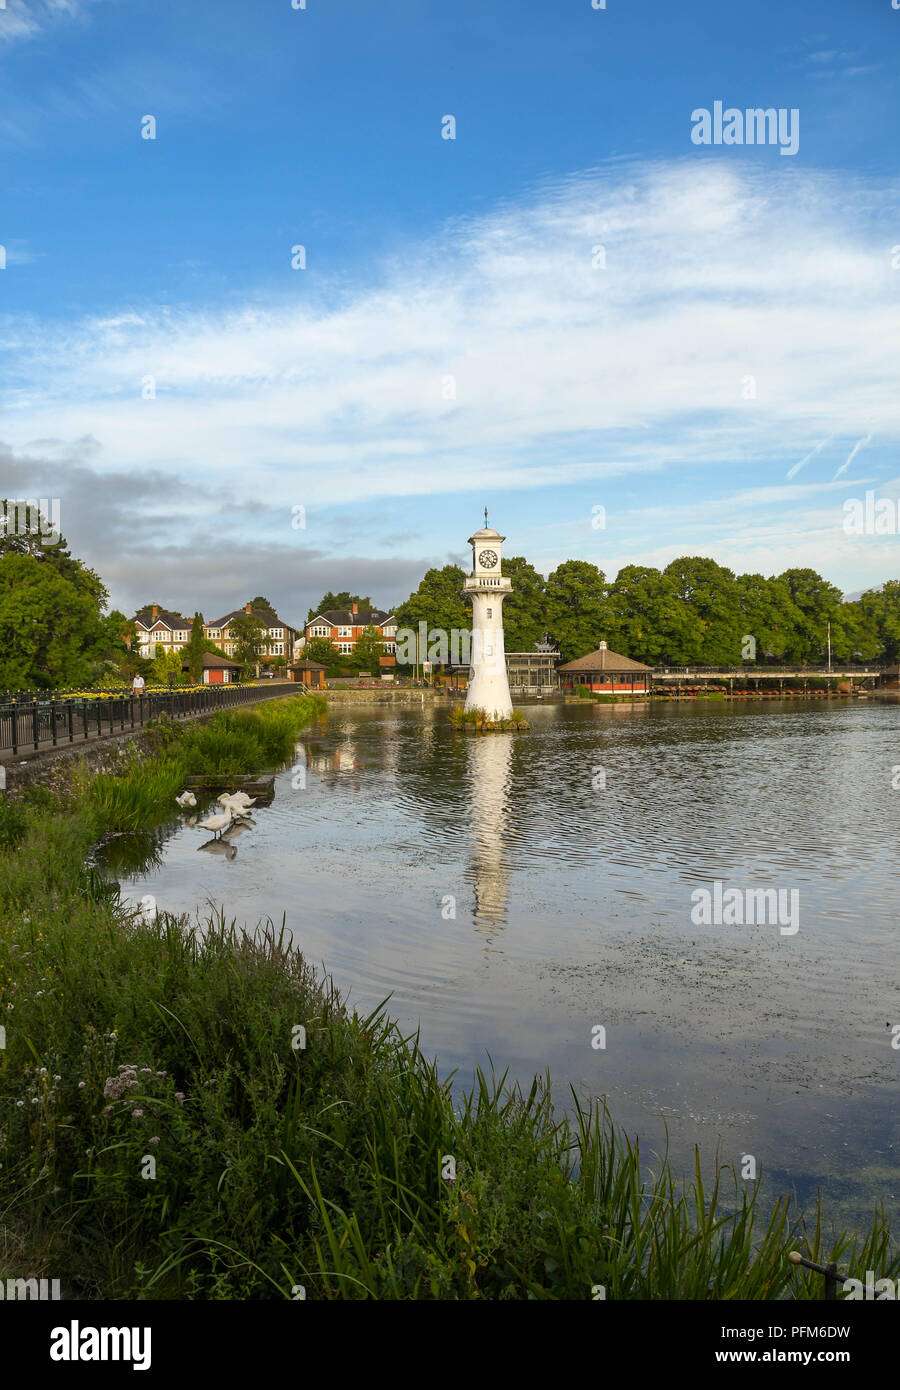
point(248, 607)
point(154, 612)
point(356, 607)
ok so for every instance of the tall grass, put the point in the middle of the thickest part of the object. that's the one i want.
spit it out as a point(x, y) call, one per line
point(230, 744)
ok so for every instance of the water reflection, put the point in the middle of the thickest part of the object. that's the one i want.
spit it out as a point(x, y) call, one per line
point(573, 908)
point(489, 780)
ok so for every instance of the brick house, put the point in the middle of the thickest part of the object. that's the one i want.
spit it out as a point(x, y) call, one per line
point(343, 626)
point(280, 636)
point(157, 627)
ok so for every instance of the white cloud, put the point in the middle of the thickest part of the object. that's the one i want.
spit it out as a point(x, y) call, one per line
point(563, 372)
point(24, 19)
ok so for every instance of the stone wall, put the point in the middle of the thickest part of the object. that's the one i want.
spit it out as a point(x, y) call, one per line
point(53, 767)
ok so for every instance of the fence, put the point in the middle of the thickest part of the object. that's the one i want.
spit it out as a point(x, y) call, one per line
point(51, 720)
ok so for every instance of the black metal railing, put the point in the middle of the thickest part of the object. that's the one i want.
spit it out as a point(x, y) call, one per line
point(838, 668)
point(31, 721)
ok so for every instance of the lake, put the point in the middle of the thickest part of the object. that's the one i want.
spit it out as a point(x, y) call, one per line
point(514, 894)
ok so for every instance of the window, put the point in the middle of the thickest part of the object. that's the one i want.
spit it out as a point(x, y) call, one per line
point(345, 647)
point(277, 649)
point(345, 632)
point(320, 630)
point(490, 612)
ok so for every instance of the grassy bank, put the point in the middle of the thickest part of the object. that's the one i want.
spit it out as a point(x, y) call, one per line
point(165, 1134)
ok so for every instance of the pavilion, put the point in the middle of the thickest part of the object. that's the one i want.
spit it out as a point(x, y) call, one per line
point(606, 671)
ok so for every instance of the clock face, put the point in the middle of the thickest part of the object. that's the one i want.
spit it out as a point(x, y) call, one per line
point(487, 559)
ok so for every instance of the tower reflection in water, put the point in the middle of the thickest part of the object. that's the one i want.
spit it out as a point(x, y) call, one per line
point(490, 777)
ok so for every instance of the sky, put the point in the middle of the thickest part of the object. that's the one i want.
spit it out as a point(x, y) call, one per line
point(299, 339)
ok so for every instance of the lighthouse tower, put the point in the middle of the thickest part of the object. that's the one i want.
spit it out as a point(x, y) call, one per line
point(486, 587)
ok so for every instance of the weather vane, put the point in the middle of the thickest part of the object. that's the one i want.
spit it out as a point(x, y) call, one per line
point(485, 516)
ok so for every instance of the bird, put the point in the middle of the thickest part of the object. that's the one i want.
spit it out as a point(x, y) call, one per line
point(186, 799)
point(238, 803)
point(238, 797)
point(216, 823)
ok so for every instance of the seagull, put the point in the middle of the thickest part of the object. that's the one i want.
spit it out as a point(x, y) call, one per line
point(216, 823)
point(186, 799)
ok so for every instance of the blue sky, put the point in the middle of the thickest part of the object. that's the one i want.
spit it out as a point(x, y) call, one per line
point(719, 379)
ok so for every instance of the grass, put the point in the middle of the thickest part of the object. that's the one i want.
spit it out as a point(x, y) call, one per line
point(230, 743)
point(164, 1136)
point(475, 718)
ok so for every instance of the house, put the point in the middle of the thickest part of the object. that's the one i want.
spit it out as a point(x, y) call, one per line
point(604, 670)
point(309, 673)
point(280, 636)
point(157, 627)
point(217, 670)
point(342, 627)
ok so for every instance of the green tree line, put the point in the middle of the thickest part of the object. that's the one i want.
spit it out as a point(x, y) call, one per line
point(693, 612)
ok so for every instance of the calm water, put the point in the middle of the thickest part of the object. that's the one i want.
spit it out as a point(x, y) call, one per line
point(572, 908)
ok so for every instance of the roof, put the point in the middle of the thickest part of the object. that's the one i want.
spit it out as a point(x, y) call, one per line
point(172, 620)
point(213, 662)
point(487, 533)
point(271, 618)
point(306, 666)
point(604, 660)
point(344, 617)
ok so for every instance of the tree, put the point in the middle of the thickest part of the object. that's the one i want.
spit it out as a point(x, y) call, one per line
point(879, 615)
point(707, 618)
point(769, 615)
point(524, 622)
point(165, 664)
point(344, 599)
point(577, 608)
point(438, 602)
point(368, 650)
point(818, 603)
point(31, 543)
point(644, 608)
point(249, 635)
point(320, 649)
point(194, 651)
point(51, 627)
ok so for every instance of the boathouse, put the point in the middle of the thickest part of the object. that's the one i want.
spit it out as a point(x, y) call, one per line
point(606, 671)
point(309, 673)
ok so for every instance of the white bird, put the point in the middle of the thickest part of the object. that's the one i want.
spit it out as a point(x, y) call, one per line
point(238, 803)
point(216, 823)
point(239, 798)
point(186, 799)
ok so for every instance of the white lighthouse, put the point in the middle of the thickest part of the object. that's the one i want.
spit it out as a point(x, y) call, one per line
point(486, 587)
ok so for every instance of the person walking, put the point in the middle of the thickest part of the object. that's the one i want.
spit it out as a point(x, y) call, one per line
point(137, 685)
